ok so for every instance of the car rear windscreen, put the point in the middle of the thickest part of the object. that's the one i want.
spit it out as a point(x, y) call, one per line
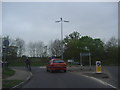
point(58, 61)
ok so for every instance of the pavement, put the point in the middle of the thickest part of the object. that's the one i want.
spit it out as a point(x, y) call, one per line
point(19, 75)
point(23, 74)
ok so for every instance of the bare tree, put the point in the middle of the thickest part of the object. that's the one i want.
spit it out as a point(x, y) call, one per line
point(31, 49)
point(36, 49)
point(111, 49)
point(113, 42)
point(39, 49)
point(21, 46)
point(18, 43)
point(55, 48)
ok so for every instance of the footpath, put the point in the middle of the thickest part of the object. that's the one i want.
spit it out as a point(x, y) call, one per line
point(21, 74)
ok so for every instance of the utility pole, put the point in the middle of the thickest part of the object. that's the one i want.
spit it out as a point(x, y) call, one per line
point(61, 21)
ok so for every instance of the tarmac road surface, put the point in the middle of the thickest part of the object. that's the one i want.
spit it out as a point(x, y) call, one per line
point(43, 79)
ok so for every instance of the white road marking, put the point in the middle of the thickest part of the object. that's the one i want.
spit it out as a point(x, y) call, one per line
point(103, 82)
point(23, 81)
point(42, 67)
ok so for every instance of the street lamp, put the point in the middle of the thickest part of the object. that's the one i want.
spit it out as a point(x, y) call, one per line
point(61, 21)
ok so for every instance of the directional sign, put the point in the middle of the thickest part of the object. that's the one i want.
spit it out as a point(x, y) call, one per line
point(85, 54)
point(98, 67)
point(6, 42)
point(98, 64)
point(70, 60)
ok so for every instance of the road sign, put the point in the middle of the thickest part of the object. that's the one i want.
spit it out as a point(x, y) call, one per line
point(98, 67)
point(6, 42)
point(85, 54)
point(70, 60)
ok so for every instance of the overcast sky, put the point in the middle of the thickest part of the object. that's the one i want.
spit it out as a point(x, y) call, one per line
point(36, 21)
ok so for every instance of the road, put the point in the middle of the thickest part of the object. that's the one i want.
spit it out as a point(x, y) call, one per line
point(43, 79)
point(113, 71)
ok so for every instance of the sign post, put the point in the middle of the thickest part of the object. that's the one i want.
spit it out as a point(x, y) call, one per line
point(70, 62)
point(81, 60)
point(85, 54)
point(98, 67)
point(90, 60)
point(5, 48)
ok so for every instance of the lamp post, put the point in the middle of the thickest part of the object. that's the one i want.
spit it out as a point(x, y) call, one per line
point(61, 21)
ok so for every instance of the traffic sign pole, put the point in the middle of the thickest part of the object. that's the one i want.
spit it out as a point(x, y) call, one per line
point(5, 50)
point(90, 60)
point(81, 60)
point(85, 54)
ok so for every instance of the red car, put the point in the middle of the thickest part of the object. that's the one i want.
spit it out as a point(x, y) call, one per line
point(56, 64)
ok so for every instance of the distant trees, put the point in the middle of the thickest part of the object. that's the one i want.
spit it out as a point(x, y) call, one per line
point(20, 46)
point(74, 35)
point(71, 44)
point(16, 47)
point(55, 48)
point(37, 49)
point(40, 49)
point(12, 53)
point(111, 49)
point(75, 44)
point(31, 49)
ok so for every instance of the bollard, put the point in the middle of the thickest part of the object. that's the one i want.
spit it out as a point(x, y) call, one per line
point(98, 67)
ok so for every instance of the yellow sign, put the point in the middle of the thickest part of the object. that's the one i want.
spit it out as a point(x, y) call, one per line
point(98, 67)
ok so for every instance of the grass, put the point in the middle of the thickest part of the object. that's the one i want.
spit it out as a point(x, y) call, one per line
point(34, 62)
point(10, 83)
point(43, 62)
point(7, 72)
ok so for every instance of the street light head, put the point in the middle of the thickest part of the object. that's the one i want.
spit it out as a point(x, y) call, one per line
point(61, 19)
point(57, 21)
point(66, 21)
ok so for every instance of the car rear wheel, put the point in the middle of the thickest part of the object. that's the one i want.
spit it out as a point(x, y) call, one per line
point(51, 71)
point(64, 70)
point(47, 70)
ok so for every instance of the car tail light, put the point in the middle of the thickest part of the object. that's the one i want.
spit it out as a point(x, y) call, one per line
point(52, 65)
point(65, 64)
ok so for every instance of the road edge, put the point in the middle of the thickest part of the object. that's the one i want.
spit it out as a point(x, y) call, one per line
point(101, 81)
point(24, 82)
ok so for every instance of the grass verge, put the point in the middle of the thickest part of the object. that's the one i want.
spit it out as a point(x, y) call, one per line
point(10, 83)
point(7, 72)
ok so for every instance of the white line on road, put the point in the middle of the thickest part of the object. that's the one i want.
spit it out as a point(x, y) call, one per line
point(42, 67)
point(23, 81)
point(103, 82)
